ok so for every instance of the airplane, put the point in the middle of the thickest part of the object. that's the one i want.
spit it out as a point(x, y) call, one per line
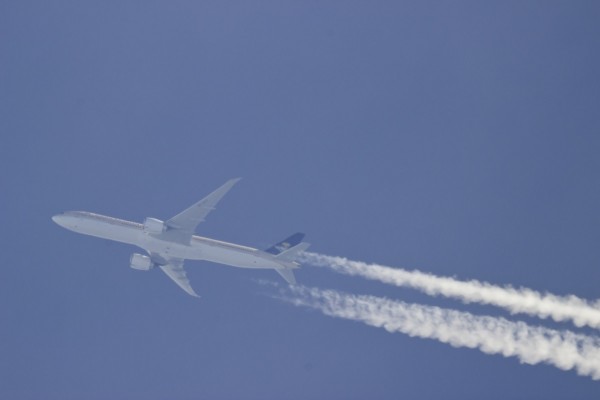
point(169, 243)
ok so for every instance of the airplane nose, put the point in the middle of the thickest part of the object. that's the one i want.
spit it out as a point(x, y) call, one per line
point(58, 218)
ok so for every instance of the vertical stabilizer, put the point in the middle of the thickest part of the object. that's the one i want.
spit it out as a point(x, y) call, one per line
point(285, 244)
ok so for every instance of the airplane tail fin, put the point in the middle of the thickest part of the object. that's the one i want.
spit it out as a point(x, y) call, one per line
point(285, 244)
point(287, 251)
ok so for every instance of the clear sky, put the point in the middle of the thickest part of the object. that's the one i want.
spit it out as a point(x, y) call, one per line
point(458, 138)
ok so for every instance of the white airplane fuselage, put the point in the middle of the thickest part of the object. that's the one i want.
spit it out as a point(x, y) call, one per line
point(198, 248)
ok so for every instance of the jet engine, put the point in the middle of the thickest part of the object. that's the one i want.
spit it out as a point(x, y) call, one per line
point(141, 262)
point(154, 226)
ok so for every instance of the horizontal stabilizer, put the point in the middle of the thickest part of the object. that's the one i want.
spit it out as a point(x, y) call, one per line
point(287, 251)
point(292, 253)
point(287, 274)
point(287, 257)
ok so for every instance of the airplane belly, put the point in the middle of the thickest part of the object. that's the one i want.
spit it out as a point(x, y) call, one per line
point(166, 248)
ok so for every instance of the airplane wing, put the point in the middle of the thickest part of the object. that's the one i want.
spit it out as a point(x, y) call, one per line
point(174, 270)
point(187, 220)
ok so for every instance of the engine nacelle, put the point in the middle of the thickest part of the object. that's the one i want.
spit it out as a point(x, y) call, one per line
point(141, 262)
point(154, 226)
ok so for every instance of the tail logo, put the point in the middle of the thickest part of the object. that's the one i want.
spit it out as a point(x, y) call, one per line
point(282, 246)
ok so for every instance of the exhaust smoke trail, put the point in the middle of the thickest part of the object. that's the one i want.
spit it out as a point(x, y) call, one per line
point(521, 300)
point(531, 345)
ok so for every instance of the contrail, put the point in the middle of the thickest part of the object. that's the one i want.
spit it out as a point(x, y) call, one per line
point(521, 300)
point(531, 345)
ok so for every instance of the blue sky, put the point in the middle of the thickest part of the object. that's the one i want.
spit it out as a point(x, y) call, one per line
point(459, 138)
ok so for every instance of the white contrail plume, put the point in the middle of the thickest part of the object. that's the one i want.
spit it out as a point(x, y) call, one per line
point(531, 345)
point(521, 300)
